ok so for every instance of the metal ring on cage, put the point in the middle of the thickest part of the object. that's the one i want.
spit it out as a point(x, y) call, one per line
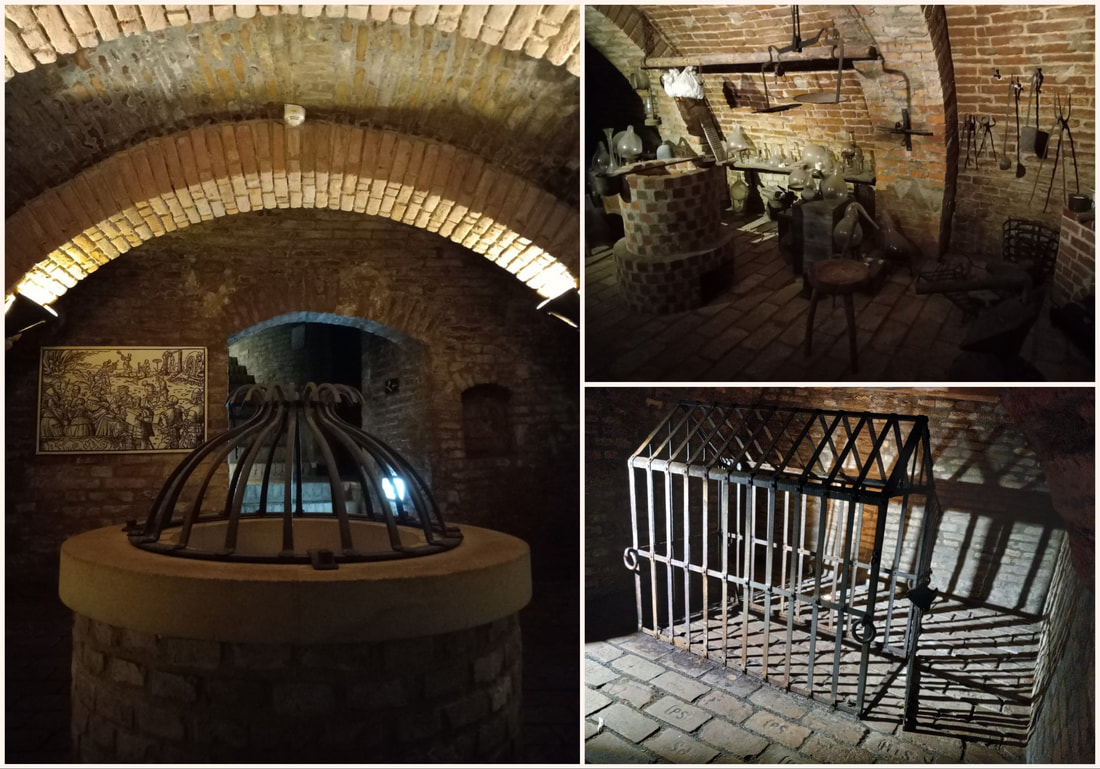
point(866, 630)
point(630, 558)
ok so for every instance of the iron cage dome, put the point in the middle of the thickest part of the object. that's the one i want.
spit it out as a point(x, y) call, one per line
point(779, 542)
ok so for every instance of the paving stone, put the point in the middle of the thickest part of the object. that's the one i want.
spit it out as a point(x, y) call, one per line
point(645, 645)
point(950, 747)
point(678, 713)
point(821, 748)
point(596, 674)
point(680, 748)
point(780, 701)
point(637, 694)
point(777, 754)
point(688, 663)
point(637, 667)
point(591, 728)
point(777, 729)
point(594, 700)
point(602, 651)
point(976, 753)
point(728, 707)
point(894, 750)
point(839, 726)
point(682, 686)
point(732, 739)
point(607, 748)
point(737, 684)
point(627, 722)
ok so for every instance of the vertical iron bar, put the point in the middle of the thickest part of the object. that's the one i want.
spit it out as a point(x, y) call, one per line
point(746, 598)
point(669, 554)
point(724, 502)
point(288, 473)
point(652, 546)
point(634, 540)
point(872, 595)
point(687, 561)
point(842, 611)
point(902, 519)
point(793, 588)
point(770, 544)
point(801, 551)
point(819, 568)
point(706, 566)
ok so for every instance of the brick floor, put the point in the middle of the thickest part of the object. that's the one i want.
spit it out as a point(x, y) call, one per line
point(975, 712)
point(755, 331)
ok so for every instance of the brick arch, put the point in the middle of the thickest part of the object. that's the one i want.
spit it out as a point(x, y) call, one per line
point(169, 183)
point(389, 333)
point(39, 34)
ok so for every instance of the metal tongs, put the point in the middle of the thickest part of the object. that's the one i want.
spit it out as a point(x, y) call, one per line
point(763, 76)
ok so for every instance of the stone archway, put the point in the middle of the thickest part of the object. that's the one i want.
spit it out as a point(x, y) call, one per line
point(169, 183)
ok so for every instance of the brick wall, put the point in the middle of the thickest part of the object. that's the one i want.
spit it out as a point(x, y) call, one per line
point(1062, 727)
point(948, 62)
point(998, 537)
point(402, 418)
point(201, 286)
point(139, 697)
point(1075, 270)
point(1017, 39)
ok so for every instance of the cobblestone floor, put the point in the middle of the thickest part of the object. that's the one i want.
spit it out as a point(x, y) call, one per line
point(38, 650)
point(646, 701)
point(755, 331)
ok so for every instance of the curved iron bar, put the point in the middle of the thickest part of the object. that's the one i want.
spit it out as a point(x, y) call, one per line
point(366, 480)
point(161, 513)
point(281, 411)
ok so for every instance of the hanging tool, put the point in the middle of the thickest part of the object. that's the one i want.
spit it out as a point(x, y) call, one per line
point(1033, 138)
point(825, 97)
point(763, 75)
point(1039, 173)
point(1018, 87)
point(969, 126)
point(1063, 122)
point(1004, 163)
point(987, 124)
point(797, 43)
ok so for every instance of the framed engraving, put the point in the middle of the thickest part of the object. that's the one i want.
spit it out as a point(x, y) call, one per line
point(112, 400)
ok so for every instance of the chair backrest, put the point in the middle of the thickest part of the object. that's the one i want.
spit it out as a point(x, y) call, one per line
point(1032, 243)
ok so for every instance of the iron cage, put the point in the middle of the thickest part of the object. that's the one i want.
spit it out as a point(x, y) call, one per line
point(782, 542)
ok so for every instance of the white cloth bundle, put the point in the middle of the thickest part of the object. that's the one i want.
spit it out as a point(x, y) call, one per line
point(682, 83)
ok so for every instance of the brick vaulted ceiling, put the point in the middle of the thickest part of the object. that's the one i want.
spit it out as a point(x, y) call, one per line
point(124, 122)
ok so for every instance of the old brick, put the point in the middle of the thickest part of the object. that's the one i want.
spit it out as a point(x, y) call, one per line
point(303, 699)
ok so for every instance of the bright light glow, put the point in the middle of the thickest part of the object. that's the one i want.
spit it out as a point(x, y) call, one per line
point(9, 300)
point(394, 489)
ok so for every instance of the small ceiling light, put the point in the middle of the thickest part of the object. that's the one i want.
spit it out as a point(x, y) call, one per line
point(294, 115)
point(566, 307)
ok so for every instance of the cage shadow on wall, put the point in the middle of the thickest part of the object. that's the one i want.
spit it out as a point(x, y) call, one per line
point(792, 545)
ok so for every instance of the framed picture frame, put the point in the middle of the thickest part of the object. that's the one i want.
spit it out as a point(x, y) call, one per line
point(121, 400)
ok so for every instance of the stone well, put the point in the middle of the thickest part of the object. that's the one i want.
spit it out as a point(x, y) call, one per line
point(196, 661)
point(675, 253)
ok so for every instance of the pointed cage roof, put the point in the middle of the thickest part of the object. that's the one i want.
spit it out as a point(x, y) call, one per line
point(863, 455)
point(378, 509)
